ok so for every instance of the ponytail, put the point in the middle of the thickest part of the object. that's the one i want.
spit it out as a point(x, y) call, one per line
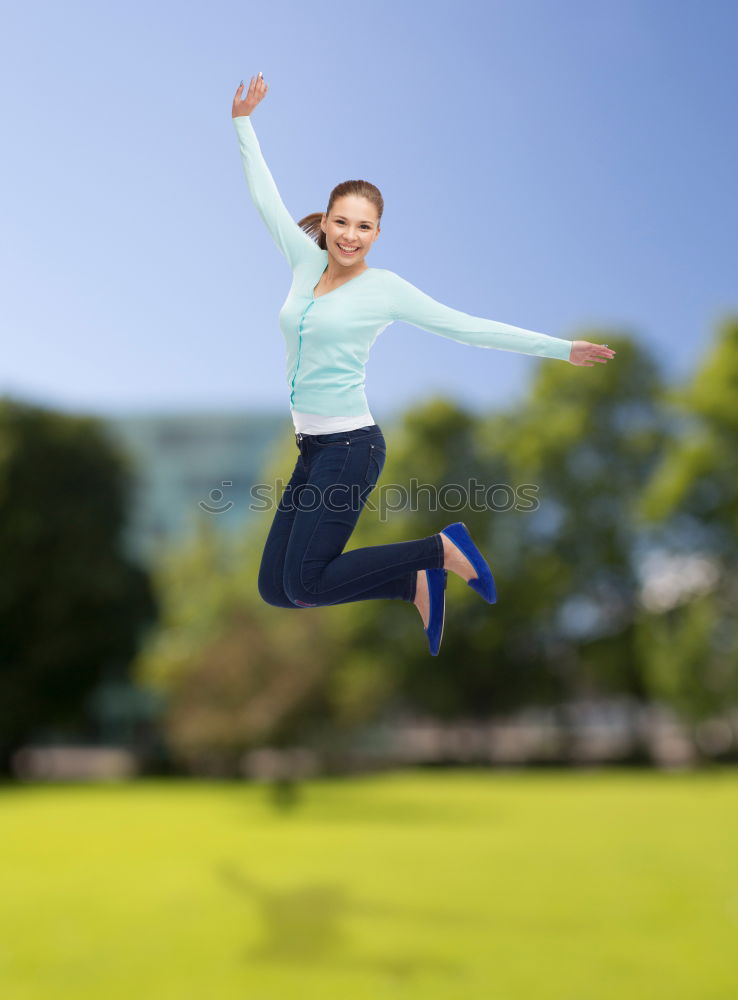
point(311, 225)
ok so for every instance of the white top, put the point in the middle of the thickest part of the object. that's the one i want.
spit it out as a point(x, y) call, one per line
point(316, 423)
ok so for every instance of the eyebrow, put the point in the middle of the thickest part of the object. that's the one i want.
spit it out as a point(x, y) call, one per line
point(338, 216)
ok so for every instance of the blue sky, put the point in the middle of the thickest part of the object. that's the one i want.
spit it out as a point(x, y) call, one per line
point(566, 167)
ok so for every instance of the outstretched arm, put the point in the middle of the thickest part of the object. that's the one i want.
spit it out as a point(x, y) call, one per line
point(293, 241)
point(409, 304)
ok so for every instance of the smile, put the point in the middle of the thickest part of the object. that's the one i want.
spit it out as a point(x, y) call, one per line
point(347, 250)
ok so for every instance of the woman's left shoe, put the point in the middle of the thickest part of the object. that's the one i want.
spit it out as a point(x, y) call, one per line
point(436, 579)
point(483, 582)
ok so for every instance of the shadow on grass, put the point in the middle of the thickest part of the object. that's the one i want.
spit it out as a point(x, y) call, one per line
point(306, 925)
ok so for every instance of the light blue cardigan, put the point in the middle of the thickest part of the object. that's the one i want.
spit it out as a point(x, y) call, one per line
point(329, 338)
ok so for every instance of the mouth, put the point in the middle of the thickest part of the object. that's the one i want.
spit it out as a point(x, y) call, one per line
point(346, 250)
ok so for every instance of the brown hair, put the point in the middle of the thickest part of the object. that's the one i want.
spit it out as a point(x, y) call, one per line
point(362, 189)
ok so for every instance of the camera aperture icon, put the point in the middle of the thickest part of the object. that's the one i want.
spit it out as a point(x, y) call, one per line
point(216, 496)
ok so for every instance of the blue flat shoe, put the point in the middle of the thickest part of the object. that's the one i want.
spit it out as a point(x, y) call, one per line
point(436, 579)
point(483, 582)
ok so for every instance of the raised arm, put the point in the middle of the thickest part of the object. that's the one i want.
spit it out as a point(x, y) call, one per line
point(293, 241)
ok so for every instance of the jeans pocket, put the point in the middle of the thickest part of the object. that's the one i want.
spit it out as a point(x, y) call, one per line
point(375, 463)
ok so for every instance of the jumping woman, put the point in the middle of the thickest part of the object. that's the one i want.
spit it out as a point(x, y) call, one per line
point(336, 308)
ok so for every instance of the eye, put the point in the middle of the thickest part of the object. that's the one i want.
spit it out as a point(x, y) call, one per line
point(363, 226)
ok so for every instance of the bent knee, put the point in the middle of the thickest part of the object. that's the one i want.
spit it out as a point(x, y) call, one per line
point(273, 595)
point(277, 600)
point(299, 595)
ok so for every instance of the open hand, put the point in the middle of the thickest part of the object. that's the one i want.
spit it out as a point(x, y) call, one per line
point(255, 93)
point(586, 354)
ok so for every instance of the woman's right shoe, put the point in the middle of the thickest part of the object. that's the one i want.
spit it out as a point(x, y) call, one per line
point(483, 582)
point(436, 580)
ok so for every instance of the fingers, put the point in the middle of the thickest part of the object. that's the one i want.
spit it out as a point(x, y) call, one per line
point(587, 354)
point(257, 88)
point(600, 353)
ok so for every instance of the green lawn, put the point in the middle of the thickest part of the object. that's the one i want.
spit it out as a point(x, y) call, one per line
point(472, 885)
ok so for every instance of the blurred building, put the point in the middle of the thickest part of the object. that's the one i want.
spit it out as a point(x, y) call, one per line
point(192, 465)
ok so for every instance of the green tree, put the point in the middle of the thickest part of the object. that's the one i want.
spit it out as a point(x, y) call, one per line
point(587, 441)
point(689, 644)
point(690, 656)
point(73, 606)
point(694, 489)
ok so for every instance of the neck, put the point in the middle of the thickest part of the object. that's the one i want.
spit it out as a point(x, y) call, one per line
point(336, 272)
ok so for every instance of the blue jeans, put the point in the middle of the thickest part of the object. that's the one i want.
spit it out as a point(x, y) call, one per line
point(303, 564)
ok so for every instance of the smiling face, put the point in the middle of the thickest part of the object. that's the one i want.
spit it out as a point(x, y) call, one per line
point(351, 223)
